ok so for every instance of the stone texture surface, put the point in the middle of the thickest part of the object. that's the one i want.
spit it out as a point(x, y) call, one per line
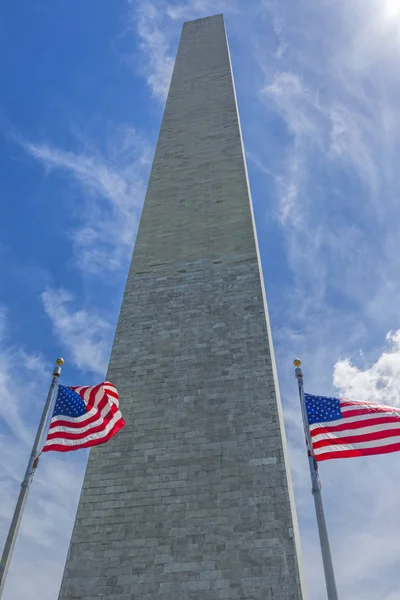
point(192, 499)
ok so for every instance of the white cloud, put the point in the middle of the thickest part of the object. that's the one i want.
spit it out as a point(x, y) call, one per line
point(327, 128)
point(86, 335)
point(297, 104)
point(11, 395)
point(113, 183)
point(379, 382)
point(39, 556)
point(157, 24)
point(196, 9)
point(330, 100)
point(42, 543)
point(155, 47)
point(335, 179)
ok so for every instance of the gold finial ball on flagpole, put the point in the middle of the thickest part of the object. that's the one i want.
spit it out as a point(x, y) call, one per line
point(60, 361)
point(297, 362)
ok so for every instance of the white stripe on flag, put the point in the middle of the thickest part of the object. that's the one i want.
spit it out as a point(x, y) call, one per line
point(104, 413)
point(93, 436)
point(360, 431)
point(358, 445)
point(369, 417)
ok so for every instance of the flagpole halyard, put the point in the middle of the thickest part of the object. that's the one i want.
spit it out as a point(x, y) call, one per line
point(316, 492)
point(29, 473)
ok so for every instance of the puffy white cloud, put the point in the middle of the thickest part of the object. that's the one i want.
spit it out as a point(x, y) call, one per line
point(379, 382)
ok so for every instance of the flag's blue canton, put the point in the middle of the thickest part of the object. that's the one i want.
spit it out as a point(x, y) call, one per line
point(322, 408)
point(69, 403)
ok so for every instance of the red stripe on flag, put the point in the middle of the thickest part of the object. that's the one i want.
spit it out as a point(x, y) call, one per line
point(367, 411)
point(344, 403)
point(350, 453)
point(69, 435)
point(66, 448)
point(357, 439)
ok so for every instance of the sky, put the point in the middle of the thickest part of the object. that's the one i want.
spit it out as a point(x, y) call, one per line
point(83, 89)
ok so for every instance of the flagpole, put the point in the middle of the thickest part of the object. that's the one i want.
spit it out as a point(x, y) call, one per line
point(30, 471)
point(316, 492)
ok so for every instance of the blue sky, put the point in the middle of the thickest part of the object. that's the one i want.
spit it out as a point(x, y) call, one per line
point(83, 87)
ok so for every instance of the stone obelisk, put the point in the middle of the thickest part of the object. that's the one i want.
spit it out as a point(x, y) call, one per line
point(192, 500)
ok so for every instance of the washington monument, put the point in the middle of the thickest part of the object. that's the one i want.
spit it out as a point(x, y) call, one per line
point(192, 499)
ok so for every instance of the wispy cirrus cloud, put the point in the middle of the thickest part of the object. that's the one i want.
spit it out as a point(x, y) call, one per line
point(113, 185)
point(157, 25)
point(335, 185)
point(43, 539)
point(322, 121)
point(12, 360)
point(329, 88)
point(195, 9)
point(155, 47)
point(327, 136)
point(85, 334)
point(40, 552)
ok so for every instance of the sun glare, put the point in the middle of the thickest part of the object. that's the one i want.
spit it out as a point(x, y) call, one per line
point(392, 9)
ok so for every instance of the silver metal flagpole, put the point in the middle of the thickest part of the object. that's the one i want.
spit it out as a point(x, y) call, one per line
point(316, 492)
point(30, 471)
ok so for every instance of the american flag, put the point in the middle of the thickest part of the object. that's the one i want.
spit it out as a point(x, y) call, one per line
point(342, 428)
point(84, 416)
